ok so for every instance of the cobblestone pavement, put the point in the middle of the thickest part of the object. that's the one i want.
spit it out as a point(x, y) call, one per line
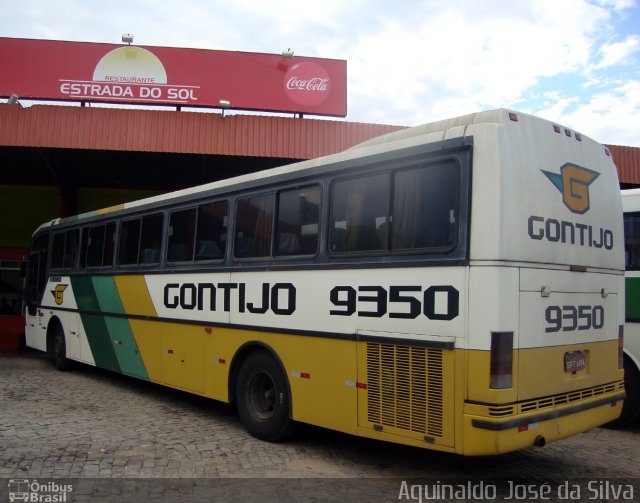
point(93, 424)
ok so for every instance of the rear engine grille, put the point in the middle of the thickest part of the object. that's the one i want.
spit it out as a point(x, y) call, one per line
point(573, 396)
point(501, 410)
point(554, 400)
point(405, 387)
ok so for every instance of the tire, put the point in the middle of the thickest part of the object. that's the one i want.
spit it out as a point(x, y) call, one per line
point(263, 398)
point(59, 349)
point(631, 406)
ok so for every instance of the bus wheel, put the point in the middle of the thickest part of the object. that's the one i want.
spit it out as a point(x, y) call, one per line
point(59, 349)
point(263, 398)
point(631, 406)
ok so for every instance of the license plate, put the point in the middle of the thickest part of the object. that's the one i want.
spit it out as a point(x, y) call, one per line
point(574, 361)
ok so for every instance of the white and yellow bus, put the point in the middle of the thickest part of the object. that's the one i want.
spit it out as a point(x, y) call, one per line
point(631, 208)
point(456, 286)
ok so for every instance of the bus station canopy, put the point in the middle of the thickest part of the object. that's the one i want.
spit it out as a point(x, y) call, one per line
point(158, 149)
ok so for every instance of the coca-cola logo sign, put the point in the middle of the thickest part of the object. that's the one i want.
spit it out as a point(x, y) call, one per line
point(307, 84)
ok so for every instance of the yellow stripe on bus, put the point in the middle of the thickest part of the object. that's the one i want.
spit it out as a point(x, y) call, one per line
point(136, 300)
point(135, 295)
point(110, 209)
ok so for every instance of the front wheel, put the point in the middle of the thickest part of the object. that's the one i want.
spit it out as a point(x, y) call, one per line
point(263, 398)
point(59, 350)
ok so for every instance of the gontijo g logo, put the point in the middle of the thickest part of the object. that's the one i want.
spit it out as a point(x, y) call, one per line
point(58, 293)
point(573, 182)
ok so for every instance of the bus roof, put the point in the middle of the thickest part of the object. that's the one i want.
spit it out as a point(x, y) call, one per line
point(630, 200)
point(433, 133)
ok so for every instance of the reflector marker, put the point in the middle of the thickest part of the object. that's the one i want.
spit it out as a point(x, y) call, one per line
point(527, 427)
point(168, 351)
point(355, 384)
point(301, 375)
point(222, 361)
point(119, 342)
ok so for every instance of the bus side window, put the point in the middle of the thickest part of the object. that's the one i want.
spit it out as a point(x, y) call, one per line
point(71, 249)
point(141, 240)
point(57, 252)
point(129, 242)
point(66, 246)
point(359, 208)
point(254, 225)
point(632, 240)
point(151, 239)
point(424, 208)
point(182, 234)
point(95, 240)
point(109, 245)
point(211, 236)
point(298, 221)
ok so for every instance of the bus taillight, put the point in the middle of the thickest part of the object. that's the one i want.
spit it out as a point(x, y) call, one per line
point(621, 346)
point(501, 360)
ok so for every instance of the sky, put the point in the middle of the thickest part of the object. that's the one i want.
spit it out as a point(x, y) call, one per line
point(409, 62)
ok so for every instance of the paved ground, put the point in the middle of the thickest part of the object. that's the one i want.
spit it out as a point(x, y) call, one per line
point(94, 425)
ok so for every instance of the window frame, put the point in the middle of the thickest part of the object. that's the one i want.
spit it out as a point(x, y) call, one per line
point(66, 232)
point(197, 207)
point(391, 172)
point(158, 212)
point(86, 231)
point(628, 216)
point(274, 194)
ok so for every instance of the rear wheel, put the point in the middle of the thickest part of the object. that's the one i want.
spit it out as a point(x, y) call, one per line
point(263, 398)
point(59, 349)
point(631, 407)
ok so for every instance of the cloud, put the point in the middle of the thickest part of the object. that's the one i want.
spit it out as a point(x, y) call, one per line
point(616, 4)
point(483, 55)
point(611, 117)
point(617, 52)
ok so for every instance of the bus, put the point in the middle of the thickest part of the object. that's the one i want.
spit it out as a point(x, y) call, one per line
point(631, 208)
point(457, 286)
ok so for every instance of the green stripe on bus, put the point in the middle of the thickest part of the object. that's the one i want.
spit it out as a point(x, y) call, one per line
point(81, 216)
point(632, 298)
point(120, 333)
point(94, 324)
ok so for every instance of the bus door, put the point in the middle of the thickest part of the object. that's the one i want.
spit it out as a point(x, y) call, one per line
point(36, 282)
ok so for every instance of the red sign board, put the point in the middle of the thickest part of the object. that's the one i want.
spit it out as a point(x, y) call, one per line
point(80, 71)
